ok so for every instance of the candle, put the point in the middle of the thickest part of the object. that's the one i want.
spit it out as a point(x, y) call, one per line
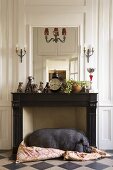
point(56, 32)
point(63, 31)
point(46, 32)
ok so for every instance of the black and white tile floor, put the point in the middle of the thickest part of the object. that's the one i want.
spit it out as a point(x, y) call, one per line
point(100, 164)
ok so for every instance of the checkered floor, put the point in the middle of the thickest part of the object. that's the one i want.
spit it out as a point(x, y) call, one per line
point(100, 164)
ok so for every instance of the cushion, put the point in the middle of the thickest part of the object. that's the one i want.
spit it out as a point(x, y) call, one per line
point(33, 153)
point(82, 156)
point(26, 153)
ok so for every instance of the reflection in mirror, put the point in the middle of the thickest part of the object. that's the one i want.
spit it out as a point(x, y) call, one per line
point(56, 56)
point(61, 74)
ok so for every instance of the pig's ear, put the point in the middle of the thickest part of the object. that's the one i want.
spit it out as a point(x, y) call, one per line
point(87, 149)
point(79, 147)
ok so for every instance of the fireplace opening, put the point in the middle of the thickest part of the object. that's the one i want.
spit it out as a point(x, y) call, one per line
point(53, 117)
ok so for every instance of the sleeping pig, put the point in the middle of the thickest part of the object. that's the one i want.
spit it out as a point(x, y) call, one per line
point(64, 139)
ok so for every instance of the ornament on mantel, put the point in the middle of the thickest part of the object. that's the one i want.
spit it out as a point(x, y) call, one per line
point(20, 87)
point(90, 71)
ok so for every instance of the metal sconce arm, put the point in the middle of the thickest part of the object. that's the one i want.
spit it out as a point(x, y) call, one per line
point(88, 52)
point(20, 53)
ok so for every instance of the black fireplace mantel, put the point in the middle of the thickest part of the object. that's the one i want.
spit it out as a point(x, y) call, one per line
point(20, 100)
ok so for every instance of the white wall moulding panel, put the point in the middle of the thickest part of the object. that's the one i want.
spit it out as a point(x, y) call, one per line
point(21, 39)
point(6, 103)
point(7, 74)
point(105, 127)
point(54, 19)
point(105, 53)
point(5, 128)
point(105, 71)
point(53, 13)
point(54, 2)
point(54, 9)
point(8, 67)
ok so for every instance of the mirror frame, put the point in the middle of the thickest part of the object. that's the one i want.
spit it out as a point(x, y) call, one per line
point(29, 40)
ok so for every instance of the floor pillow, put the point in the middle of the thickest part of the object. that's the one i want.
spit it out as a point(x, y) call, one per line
point(33, 153)
point(82, 156)
point(26, 154)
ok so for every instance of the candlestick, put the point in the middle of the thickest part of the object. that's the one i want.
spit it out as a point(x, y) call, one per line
point(88, 52)
point(20, 52)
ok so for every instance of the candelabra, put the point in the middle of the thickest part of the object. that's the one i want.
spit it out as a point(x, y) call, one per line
point(20, 53)
point(88, 52)
point(55, 34)
point(90, 70)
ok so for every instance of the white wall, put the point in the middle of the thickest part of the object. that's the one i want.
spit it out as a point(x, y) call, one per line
point(105, 72)
point(94, 18)
point(8, 70)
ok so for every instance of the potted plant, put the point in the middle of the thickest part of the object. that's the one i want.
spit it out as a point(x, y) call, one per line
point(75, 86)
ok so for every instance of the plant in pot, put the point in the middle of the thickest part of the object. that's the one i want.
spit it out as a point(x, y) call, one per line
point(80, 86)
point(73, 86)
point(76, 87)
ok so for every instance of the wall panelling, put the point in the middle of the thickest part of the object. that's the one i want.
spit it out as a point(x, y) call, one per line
point(95, 20)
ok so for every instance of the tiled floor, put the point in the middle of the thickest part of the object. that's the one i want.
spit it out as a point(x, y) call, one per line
point(100, 164)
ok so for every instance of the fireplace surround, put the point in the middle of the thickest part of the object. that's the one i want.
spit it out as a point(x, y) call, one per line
point(21, 100)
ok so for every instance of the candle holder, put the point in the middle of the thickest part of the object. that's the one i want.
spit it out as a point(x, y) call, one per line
point(20, 53)
point(56, 37)
point(88, 53)
point(90, 71)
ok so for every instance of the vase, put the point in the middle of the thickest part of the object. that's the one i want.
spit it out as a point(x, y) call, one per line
point(76, 88)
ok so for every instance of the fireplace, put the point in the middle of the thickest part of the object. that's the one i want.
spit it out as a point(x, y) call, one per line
point(22, 101)
point(35, 118)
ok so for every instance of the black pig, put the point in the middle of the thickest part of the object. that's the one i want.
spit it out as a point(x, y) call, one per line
point(64, 139)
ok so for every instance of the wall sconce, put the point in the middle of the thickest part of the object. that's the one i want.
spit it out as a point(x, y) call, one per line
point(20, 53)
point(88, 52)
point(55, 34)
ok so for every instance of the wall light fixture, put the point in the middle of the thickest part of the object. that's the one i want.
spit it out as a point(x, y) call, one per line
point(88, 52)
point(56, 35)
point(20, 53)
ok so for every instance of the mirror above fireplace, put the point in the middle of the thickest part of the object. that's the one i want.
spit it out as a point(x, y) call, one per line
point(56, 56)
